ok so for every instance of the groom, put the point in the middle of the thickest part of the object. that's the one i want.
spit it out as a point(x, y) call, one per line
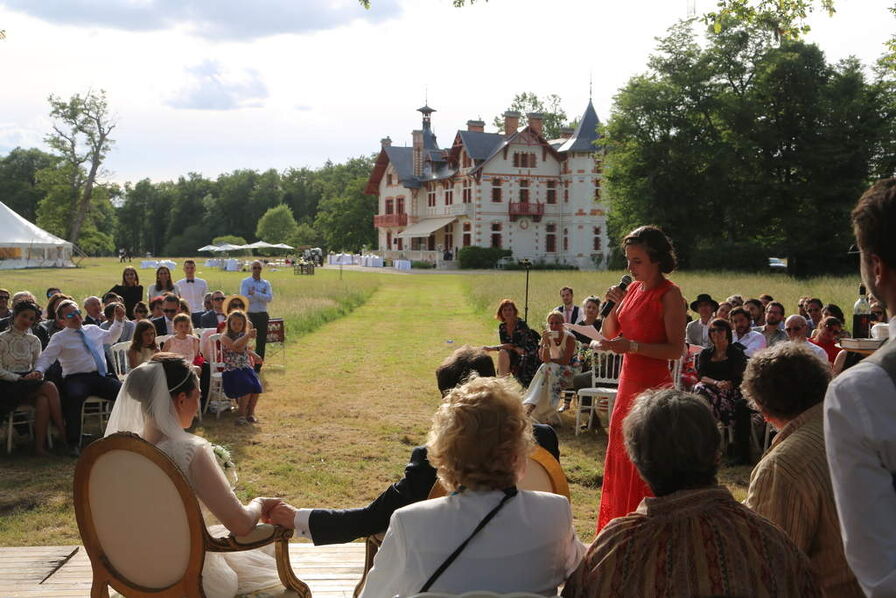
point(336, 526)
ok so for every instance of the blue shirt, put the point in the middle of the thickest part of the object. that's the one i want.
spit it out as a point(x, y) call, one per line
point(264, 293)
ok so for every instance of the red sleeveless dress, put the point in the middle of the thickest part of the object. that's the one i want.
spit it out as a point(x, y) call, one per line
point(640, 319)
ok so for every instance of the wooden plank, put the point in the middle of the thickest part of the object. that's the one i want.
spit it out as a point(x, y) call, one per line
point(331, 571)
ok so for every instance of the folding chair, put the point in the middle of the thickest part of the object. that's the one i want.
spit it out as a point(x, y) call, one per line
point(119, 352)
point(605, 369)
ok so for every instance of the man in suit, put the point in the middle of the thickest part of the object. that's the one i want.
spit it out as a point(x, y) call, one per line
point(569, 310)
point(215, 315)
point(335, 526)
point(94, 308)
point(170, 307)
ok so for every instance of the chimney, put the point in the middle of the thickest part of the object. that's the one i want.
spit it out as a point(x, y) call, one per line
point(536, 121)
point(417, 137)
point(511, 122)
point(566, 132)
point(386, 141)
point(476, 125)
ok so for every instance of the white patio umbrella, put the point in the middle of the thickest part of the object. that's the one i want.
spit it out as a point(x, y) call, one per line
point(207, 248)
point(228, 247)
point(258, 245)
point(283, 246)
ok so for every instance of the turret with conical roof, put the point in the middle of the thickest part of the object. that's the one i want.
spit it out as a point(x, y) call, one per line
point(585, 134)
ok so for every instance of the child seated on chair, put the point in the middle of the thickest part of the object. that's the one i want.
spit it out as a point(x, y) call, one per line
point(183, 342)
point(143, 345)
point(239, 378)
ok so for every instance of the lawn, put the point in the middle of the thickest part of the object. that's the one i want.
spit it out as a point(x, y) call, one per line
point(357, 393)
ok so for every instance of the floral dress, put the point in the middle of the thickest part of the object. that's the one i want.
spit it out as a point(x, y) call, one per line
point(522, 366)
point(550, 379)
point(239, 378)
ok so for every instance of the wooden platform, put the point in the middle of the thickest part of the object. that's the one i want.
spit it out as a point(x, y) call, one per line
point(330, 571)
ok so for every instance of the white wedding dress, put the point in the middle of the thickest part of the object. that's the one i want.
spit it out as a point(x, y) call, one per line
point(144, 407)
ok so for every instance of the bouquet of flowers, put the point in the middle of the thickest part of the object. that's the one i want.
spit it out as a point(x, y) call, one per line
point(225, 462)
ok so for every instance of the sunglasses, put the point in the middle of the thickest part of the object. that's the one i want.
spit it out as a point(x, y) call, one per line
point(73, 314)
point(217, 298)
point(4, 297)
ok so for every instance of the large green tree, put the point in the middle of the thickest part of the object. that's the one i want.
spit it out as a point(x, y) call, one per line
point(277, 225)
point(18, 179)
point(82, 126)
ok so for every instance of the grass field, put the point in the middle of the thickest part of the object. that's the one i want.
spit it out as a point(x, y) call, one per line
point(358, 391)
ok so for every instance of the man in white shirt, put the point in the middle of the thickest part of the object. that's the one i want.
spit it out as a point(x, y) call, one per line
point(749, 339)
point(193, 290)
point(569, 310)
point(260, 293)
point(79, 349)
point(860, 413)
point(797, 329)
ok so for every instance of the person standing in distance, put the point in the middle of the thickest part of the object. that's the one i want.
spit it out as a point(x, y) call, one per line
point(193, 290)
point(860, 413)
point(260, 293)
point(647, 324)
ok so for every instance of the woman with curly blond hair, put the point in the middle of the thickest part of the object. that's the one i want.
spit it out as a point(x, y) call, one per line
point(486, 534)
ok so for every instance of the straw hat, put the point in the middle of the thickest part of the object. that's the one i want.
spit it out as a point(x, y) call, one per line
point(231, 299)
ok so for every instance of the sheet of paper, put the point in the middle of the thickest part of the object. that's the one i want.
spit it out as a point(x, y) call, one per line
point(589, 331)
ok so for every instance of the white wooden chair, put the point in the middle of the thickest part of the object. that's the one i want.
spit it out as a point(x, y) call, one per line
point(216, 365)
point(142, 527)
point(600, 397)
point(119, 353)
point(95, 410)
point(161, 338)
point(22, 416)
point(543, 473)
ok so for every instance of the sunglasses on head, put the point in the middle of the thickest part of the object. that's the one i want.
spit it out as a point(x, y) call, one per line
point(72, 314)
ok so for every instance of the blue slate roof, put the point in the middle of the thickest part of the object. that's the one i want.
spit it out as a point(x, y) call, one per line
point(585, 135)
point(402, 159)
point(480, 145)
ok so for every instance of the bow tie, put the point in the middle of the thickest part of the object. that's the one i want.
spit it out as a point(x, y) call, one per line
point(191, 281)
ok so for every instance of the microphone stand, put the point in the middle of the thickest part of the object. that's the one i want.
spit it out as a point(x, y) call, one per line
point(526, 264)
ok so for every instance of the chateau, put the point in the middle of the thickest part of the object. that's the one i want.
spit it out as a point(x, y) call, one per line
point(517, 190)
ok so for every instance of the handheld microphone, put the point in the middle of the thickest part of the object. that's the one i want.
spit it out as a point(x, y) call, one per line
point(608, 307)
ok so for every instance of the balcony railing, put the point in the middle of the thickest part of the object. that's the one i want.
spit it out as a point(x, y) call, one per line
point(385, 220)
point(518, 209)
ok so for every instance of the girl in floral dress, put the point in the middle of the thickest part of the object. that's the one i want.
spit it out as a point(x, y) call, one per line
point(239, 378)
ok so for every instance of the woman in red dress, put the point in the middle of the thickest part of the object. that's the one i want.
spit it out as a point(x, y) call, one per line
point(648, 325)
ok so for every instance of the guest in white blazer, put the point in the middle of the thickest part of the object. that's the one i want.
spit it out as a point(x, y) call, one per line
point(479, 443)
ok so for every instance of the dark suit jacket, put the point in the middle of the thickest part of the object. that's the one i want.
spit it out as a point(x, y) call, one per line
point(209, 319)
point(91, 320)
point(575, 312)
point(336, 526)
point(161, 327)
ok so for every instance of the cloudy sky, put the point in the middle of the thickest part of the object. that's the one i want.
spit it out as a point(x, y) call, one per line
point(213, 85)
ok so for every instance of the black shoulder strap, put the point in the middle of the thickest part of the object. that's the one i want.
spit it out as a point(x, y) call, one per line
point(508, 494)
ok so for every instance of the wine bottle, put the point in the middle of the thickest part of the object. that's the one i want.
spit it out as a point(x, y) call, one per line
point(861, 315)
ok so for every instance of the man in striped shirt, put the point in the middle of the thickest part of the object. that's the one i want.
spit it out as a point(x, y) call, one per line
point(791, 485)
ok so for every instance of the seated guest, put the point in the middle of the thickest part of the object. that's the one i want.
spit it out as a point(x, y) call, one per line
point(697, 331)
point(207, 302)
point(5, 312)
point(757, 311)
point(523, 540)
point(518, 351)
point(53, 323)
point(79, 349)
point(215, 315)
point(724, 310)
point(112, 297)
point(143, 345)
point(744, 335)
point(827, 335)
point(772, 331)
point(336, 526)
point(765, 298)
point(19, 350)
point(155, 307)
point(591, 317)
point(814, 307)
point(557, 351)
point(791, 485)
point(127, 330)
point(735, 301)
point(720, 369)
point(141, 311)
point(796, 328)
point(878, 312)
point(184, 307)
point(94, 308)
point(693, 538)
point(6, 322)
point(183, 343)
point(170, 308)
point(130, 290)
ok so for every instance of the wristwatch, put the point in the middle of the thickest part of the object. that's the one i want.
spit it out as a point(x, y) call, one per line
point(632, 347)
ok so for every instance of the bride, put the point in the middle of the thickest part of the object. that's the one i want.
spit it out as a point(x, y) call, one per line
point(158, 400)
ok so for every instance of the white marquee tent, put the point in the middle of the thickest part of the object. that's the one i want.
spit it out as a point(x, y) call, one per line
point(25, 245)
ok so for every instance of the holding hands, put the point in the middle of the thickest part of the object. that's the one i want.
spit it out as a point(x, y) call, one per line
point(283, 515)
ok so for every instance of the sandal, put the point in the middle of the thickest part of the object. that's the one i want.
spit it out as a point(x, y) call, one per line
point(241, 421)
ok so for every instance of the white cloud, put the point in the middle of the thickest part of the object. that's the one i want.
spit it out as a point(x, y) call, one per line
point(213, 88)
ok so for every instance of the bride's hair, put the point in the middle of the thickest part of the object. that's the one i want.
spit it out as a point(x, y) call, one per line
point(178, 373)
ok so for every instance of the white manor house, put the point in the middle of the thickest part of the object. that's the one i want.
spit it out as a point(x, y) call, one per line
point(516, 190)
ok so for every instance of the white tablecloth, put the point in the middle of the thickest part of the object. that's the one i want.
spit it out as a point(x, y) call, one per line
point(149, 264)
point(372, 261)
point(341, 258)
point(402, 264)
point(232, 265)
